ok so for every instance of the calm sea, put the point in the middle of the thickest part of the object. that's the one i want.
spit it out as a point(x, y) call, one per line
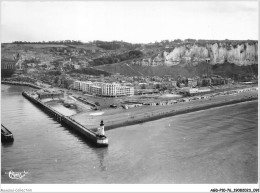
point(212, 146)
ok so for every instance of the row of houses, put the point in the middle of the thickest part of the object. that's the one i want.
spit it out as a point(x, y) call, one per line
point(103, 89)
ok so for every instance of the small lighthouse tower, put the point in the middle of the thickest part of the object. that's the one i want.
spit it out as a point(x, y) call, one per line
point(102, 140)
point(102, 128)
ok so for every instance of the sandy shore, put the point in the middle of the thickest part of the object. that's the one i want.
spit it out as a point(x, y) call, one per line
point(114, 118)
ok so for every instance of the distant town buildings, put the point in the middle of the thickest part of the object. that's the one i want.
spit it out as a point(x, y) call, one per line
point(104, 89)
point(8, 64)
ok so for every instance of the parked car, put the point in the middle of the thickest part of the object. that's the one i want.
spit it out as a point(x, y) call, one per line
point(113, 106)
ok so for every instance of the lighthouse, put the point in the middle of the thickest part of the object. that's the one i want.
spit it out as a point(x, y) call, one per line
point(102, 139)
point(102, 129)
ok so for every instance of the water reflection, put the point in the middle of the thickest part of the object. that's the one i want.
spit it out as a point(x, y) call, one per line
point(7, 144)
point(102, 154)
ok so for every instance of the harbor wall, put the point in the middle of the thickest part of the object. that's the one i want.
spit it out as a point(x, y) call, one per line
point(91, 135)
point(177, 112)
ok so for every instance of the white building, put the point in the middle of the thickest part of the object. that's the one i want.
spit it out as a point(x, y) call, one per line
point(104, 89)
point(129, 91)
point(110, 89)
point(96, 90)
point(121, 91)
point(86, 86)
point(77, 85)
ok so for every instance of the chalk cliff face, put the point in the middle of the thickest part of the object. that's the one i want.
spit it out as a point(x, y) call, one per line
point(241, 54)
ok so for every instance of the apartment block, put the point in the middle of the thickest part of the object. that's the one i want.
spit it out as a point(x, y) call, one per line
point(77, 85)
point(104, 89)
point(95, 90)
point(86, 86)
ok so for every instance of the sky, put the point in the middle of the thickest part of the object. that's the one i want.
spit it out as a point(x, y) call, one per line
point(130, 21)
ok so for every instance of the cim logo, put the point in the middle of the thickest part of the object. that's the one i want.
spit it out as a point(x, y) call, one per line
point(16, 175)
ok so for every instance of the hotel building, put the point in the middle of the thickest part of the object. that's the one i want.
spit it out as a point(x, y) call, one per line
point(77, 85)
point(104, 89)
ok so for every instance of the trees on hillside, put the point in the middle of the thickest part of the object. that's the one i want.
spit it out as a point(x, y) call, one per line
point(133, 54)
point(73, 42)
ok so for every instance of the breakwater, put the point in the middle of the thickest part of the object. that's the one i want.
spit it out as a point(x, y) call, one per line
point(21, 83)
point(178, 112)
point(65, 120)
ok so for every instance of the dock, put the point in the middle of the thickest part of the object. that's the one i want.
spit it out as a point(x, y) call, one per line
point(70, 123)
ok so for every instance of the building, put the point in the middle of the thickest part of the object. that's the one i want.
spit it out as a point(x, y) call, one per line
point(204, 82)
point(107, 88)
point(218, 81)
point(120, 91)
point(97, 90)
point(193, 91)
point(77, 85)
point(192, 82)
point(86, 86)
point(129, 91)
point(104, 89)
point(8, 65)
point(46, 93)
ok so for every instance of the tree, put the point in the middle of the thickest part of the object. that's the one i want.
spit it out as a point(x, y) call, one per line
point(177, 41)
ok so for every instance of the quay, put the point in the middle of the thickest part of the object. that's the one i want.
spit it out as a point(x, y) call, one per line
point(72, 124)
point(21, 83)
point(6, 135)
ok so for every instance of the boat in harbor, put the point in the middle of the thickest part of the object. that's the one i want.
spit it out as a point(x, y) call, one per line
point(6, 135)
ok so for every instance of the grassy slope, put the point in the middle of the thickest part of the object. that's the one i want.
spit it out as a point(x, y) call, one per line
point(225, 70)
point(133, 70)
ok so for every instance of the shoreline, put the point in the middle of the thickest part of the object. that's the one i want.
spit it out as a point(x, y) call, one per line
point(20, 84)
point(178, 112)
point(115, 118)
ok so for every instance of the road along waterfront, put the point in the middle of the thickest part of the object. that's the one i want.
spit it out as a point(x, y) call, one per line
point(218, 145)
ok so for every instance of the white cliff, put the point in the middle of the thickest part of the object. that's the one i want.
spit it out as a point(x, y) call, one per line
point(241, 54)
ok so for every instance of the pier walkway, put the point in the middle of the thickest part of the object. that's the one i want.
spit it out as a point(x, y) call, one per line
point(71, 123)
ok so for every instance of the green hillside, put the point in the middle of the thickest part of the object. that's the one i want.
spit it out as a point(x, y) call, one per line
point(224, 70)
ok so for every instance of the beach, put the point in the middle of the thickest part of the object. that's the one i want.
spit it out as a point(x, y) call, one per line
point(120, 117)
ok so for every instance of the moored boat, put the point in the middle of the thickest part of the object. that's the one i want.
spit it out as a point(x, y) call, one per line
point(6, 135)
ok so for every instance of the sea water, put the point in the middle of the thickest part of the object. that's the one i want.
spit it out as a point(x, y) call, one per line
point(218, 145)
